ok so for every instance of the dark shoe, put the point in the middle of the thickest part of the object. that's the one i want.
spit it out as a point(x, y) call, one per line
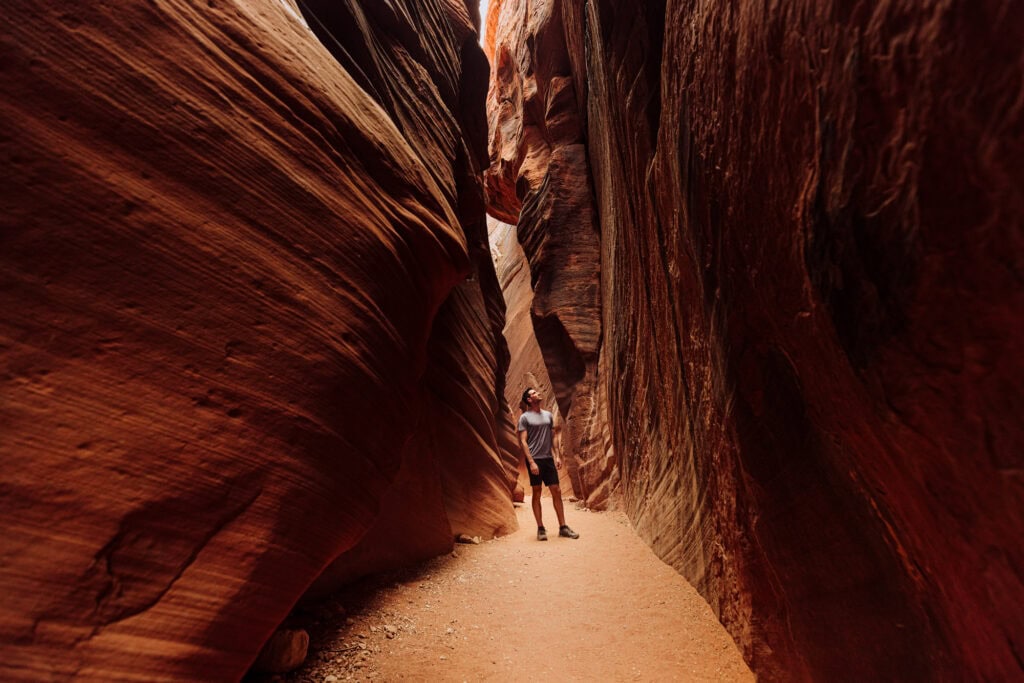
point(567, 532)
point(542, 535)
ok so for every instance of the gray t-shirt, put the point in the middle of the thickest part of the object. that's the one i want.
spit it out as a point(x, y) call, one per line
point(538, 428)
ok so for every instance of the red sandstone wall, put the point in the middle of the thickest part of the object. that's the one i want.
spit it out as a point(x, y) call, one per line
point(526, 366)
point(462, 406)
point(539, 180)
point(237, 333)
point(810, 219)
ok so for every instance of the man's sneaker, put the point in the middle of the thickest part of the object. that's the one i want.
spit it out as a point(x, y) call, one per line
point(542, 535)
point(567, 532)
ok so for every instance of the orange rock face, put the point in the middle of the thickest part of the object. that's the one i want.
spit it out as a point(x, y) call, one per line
point(810, 226)
point(238, 337)
point(539, 179)
point(526, 367)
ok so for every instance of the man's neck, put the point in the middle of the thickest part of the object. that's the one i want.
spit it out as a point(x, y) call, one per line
point(535, 408)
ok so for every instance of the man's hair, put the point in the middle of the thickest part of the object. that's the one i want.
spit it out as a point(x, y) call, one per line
point(526, 395)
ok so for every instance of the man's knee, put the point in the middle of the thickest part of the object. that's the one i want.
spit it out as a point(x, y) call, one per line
point(536, 489)
point(555, 490)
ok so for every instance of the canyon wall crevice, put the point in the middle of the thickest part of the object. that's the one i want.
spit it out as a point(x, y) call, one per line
point(251, 328)
point(526, 366)
point(539, 180)
point(809, 356)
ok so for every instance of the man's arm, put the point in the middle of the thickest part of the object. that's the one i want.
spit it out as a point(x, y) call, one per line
point(530, 464)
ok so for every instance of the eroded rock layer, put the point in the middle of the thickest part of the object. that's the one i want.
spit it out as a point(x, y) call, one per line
point(526, 366)
point(812, 314)
point(539, 180)
point(462, 414)
point(237, 330)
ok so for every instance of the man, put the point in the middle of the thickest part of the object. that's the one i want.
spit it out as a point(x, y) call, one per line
point(535, 431)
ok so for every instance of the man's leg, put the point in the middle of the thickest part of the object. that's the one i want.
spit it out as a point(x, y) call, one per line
point(556, 498)
point(563, 528)
point(536, 505)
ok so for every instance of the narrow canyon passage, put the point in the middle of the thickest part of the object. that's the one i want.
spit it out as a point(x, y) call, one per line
point(765, 267)
point(603, 607)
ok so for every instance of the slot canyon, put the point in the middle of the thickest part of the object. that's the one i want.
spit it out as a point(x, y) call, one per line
point(274, 275)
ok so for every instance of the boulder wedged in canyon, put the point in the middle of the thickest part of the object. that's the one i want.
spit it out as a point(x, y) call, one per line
point(539, 180)
point(238, 339)
point(811, 307)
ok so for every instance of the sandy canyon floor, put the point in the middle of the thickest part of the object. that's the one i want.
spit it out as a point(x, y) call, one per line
point(601, 608)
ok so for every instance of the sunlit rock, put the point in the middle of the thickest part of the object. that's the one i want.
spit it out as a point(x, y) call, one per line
point(539, 180)
point(526, 368)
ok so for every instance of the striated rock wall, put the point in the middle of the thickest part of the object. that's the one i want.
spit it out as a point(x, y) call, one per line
point(462, 416)
point(238, 332)
point(539, 180)
point(526, 366)
point(811, 308)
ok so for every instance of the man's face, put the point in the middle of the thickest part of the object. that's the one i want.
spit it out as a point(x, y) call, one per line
point(533, 398)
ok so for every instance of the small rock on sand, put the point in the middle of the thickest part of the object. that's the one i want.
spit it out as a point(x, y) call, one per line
point(286, 650)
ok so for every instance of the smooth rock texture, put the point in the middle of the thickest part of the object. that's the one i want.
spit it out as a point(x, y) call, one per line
point(811, 310)
point(526, 367)
point(238, 333)
point(539, 180)
point(462, 414)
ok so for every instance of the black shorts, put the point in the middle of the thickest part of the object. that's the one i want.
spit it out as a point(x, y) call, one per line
point(548, 473)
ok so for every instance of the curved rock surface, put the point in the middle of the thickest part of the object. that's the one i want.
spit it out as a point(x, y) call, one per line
point(526, 366)
point(812, 313)
point(539, 180)
point(238, 332)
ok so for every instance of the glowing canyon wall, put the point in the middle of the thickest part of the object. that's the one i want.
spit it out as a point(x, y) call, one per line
point(251, 328)
point(539, 179)
point(808, 353)
point(526, 362)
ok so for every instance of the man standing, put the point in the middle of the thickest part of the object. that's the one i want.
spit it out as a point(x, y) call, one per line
point(535, 431)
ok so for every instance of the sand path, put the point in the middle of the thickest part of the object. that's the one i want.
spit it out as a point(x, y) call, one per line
point(601, 608)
